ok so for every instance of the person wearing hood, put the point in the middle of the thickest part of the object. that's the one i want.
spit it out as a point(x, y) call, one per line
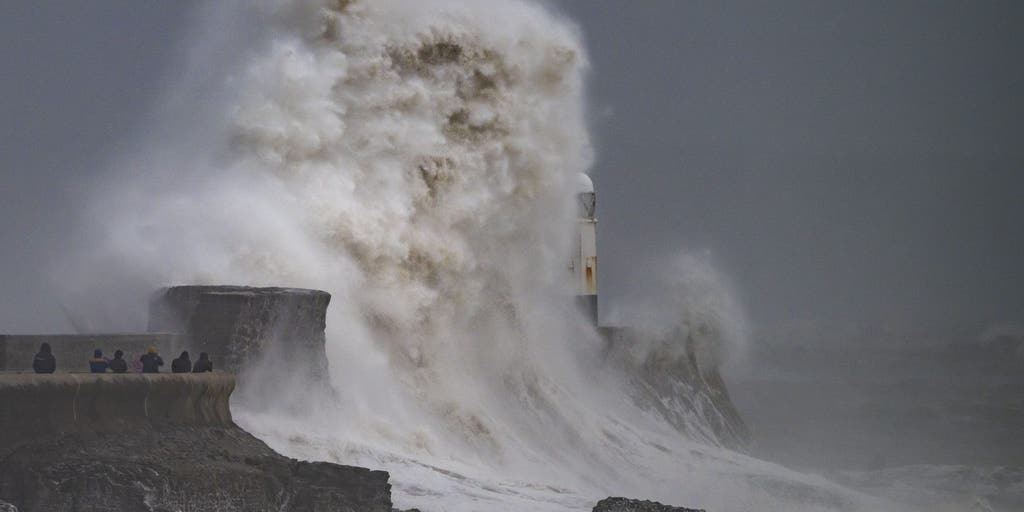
point(118, 364)
point(98, 363)
point(182, 364)
point(151, 361)
point(44, 362)
point(203, 364)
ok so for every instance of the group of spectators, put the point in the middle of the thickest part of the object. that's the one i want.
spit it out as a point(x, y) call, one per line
point(150, 362)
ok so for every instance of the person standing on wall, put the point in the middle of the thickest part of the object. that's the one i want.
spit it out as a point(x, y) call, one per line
point(98, 363)
point(151, 361)
point(182, 364)
point(203, 364)
point(44, 362)
point(118, 364)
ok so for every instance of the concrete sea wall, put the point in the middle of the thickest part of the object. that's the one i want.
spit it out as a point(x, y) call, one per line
point(40, 405)
point(74, 441)
point(240, 327)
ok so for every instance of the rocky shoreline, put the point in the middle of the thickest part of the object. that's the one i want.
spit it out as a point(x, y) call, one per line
point(195, 469)
point(627, 505)
point(83, 442)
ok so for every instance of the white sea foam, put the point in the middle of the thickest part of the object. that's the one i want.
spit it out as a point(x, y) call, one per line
point(417, 159)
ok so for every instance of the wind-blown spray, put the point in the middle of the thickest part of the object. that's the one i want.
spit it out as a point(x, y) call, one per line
point(418, 160)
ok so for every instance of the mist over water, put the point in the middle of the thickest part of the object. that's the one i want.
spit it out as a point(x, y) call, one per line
point(417, 160)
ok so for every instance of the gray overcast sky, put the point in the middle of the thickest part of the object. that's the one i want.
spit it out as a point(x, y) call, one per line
point(78, 79)
point(841, 160)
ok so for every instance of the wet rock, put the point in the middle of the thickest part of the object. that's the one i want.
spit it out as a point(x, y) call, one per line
point(156, 442)
point(670, 377)
point(136, 473)
point(628, 505)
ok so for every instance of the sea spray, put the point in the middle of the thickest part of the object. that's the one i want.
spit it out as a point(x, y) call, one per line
point(684, 323)
point(417, 160)
point(435, 156)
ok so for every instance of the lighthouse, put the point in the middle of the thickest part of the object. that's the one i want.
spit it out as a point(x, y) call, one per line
point(583, 264)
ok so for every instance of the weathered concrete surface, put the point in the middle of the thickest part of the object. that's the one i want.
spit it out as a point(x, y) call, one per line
point(74, 350)
point(240, 326)
point(155, 442)
point(40, 405)
point(628, 505)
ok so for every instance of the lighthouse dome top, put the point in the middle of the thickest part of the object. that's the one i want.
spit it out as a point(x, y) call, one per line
point(583, 184)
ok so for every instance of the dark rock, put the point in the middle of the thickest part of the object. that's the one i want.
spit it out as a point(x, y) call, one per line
point(674, 381)
point(628, 505)
point(135, 473)
point(156, 442)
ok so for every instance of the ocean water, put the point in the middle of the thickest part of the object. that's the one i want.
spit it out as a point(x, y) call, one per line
point(417, 160)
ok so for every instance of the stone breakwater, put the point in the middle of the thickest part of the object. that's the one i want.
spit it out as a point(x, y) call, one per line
point(76, 442)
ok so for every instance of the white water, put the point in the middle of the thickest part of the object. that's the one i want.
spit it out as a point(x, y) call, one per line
point(416, 159)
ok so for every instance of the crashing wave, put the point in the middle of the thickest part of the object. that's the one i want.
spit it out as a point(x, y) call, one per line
point(417, 160)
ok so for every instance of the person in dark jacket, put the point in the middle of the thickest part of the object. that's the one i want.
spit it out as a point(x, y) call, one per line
point(98, 363)
point(182, 364)
point(44, 362)
point(203, 364)
point(118, 364)
point(151, 361)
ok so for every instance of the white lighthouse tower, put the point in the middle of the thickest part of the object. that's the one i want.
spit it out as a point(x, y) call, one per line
point(583, 264)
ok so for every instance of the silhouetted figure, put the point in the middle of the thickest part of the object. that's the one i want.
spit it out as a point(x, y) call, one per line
point(151, 362)
point(98, 363)
point(118, 364)
point(44, 362)
point(203, 364)
point(182, 364)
